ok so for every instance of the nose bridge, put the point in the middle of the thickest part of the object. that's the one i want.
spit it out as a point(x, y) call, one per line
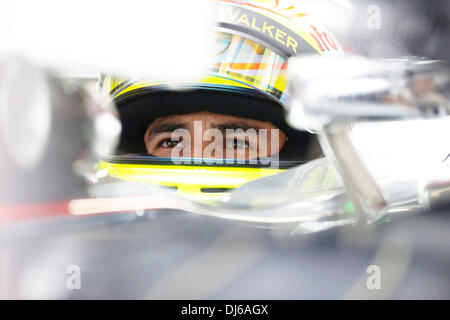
point(201, 124)
point(206, 124)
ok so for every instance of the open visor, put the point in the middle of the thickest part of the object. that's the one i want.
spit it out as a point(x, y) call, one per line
point(247, 61)
point(246, 79)
point(238, 65)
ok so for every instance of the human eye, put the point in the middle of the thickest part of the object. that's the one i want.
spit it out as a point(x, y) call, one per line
point(169, 143)
point(237, 144)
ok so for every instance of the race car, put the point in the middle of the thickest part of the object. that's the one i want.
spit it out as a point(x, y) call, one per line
point(212, 188)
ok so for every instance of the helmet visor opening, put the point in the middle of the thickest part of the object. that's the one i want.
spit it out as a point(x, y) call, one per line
point(245, 60)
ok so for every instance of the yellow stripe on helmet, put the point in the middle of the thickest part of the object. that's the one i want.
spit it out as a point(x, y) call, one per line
point(189, 180)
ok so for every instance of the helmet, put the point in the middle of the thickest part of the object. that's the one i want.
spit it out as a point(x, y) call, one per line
point(247, 79)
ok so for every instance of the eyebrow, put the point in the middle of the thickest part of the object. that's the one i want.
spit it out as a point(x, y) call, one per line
point(234, 125)
point(166, 127)
point(230, 125)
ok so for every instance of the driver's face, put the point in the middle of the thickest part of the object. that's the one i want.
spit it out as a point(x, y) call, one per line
point(212, 135)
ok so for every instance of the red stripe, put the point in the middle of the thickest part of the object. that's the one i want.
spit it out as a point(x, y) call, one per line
point(11, 212)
